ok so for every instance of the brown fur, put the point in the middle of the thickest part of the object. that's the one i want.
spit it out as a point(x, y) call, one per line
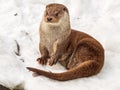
point(80, 53)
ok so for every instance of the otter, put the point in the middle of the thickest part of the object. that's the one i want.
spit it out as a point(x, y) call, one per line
point(78, 52)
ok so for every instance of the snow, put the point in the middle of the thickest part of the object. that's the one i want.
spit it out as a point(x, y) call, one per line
point(20, 20)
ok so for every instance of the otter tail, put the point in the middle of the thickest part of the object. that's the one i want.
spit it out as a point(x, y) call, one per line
point(87, 68)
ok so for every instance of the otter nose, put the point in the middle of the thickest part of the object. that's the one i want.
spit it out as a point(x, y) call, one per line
point(49, 19)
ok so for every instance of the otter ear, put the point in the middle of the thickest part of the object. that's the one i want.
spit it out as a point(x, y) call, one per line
point(47, 6)
point(64, 9)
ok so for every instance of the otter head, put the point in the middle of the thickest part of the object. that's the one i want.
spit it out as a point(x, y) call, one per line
point(54, 13)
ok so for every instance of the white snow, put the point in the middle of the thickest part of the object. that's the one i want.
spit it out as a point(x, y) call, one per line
point(20, 20)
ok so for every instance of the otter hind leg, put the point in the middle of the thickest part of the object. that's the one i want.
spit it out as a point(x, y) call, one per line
point(81, 54)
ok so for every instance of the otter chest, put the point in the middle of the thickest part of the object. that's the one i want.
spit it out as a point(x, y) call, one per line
point(49, 39)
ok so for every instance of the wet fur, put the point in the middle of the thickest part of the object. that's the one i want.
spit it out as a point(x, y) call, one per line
point(80, 53)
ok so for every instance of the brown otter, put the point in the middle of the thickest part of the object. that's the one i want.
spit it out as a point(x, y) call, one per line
point(80, 53)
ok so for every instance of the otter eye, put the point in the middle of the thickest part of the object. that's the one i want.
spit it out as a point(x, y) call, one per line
point(56, 14)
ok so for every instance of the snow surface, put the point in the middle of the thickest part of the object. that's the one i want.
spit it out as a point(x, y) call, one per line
point(19, 21)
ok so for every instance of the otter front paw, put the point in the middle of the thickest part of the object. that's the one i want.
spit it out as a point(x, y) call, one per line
point(42, 60)
point(53, 60)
